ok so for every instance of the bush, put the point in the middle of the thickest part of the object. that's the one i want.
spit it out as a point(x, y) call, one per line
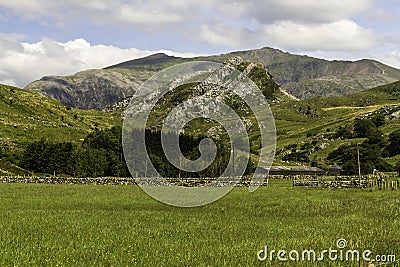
point(394, 143)
point(363, 127)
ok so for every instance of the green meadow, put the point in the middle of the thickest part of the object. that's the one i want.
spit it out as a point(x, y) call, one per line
point(93, 225)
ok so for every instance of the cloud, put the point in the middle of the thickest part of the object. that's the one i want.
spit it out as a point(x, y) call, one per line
point(22, 63)
point(154, 14)
point(337, 35)
point(220, 34)
point(145, 15)
point(344, 35)
point(326, 27)
point(234, 24)
point(392, 58)
point(308, 10)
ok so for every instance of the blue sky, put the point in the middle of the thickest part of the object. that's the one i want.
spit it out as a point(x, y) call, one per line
point(44, 37)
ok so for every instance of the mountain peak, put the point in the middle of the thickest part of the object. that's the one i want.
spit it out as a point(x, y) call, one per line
point(150, 60)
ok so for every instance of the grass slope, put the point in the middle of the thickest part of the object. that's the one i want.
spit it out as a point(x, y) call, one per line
point(27, 116)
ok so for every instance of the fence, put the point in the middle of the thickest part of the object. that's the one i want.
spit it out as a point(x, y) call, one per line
point(188, 182)
point(384, 183)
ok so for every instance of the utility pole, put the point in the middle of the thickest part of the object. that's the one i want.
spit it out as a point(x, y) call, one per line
point(359, 166)
point(180, 167)
point(146, 169)
point(233, 160)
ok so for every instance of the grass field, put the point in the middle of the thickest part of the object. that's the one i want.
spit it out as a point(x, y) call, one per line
point(89, 225)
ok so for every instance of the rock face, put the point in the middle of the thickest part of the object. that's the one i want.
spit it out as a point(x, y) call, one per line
point(92, 89)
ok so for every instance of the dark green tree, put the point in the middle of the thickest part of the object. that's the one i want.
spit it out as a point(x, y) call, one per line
point(345, 132)
point(363, 127)
point(370, 158)
point(378, 119)
point(394, 143)
point(45, 157)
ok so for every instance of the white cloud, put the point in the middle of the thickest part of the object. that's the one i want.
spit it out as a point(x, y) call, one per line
point(338, 35)
point(9, 42)
point(144, 16)
point(308, 10)
point(22, 63)
point(392, 58)
point(327, 27)
point(155, 14)
point(220, 34)
point(293, 36)
point(149, 15)
point(306, 24)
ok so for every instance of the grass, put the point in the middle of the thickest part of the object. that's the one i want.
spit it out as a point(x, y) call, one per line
point(88, 225)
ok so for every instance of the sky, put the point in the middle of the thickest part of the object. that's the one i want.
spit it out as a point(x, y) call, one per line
point(46, 37)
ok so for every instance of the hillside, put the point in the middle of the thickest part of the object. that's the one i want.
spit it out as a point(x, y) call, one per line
point(307, 127)
point(26, 116)
point(310, 126)
point(154, 62)
point(302, 76)
point(379, 95)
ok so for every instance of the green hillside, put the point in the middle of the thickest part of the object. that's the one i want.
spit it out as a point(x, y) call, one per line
point(306, 129)
point(26, 116)
point(385, 94)
point(310, 125)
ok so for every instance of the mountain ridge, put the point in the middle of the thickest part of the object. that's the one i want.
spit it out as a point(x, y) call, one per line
point(299, 75)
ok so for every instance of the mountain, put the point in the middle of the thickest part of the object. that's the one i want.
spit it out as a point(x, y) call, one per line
point(153, 62)
point(301, 76)
point(381, 95)
point(306, 77)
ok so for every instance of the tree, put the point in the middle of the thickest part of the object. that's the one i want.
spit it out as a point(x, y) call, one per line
point(394, 143)
point(376, 138)
point(370, 158)
point(345, 132)
point(350, 168)
point(378, 120)
point(45, 157)
point(296, 156)
point(363, 127)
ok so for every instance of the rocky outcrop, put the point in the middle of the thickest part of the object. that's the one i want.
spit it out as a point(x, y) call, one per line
point(120, 105)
